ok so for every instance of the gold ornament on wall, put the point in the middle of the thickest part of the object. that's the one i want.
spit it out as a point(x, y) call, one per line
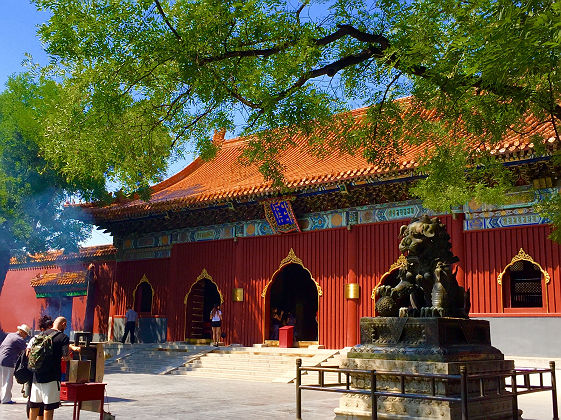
point(352, 291)
point(523, 256)
point(237, 294)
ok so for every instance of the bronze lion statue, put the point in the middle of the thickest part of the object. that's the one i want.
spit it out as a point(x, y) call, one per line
point(426, 286)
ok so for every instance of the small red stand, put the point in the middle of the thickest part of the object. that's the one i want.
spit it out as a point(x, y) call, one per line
point(286, 336)
point(90, 391)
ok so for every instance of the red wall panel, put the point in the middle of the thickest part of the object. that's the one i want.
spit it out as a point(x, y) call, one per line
point(18, 303)
point(489, 251)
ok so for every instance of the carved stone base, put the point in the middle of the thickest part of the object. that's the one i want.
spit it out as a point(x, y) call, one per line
point(394, 408)
point(424, 345)
point(431, 339)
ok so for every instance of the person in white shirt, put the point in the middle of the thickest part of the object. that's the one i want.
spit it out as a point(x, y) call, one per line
point(216, 323)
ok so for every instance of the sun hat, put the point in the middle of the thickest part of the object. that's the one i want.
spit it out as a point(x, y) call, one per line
point(25, 328)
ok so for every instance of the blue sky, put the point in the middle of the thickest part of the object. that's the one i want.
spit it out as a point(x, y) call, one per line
point(18, 26)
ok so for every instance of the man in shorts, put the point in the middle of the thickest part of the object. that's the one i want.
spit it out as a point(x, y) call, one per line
point(45, 390)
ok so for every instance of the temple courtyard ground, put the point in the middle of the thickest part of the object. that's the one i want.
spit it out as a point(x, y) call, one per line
point(143, 397)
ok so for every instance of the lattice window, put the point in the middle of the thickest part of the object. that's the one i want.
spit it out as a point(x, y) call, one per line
point(525, 285)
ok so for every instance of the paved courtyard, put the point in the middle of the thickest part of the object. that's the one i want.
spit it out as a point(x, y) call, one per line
point(143, 397)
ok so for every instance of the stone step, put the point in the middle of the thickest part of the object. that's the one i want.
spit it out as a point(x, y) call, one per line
point(236, 367)
point(227, 375)
point(217, 373)
point(218, 358)
point(204, 364)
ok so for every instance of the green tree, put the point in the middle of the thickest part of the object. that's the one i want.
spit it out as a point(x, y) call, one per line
point(32, 195)
point(149, 80)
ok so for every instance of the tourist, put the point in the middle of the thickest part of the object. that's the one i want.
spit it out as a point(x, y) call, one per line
point(216, 323)
point(11, 347)
point(131, 321)
point(45, 389)
point(44, 323)
point(276, 322)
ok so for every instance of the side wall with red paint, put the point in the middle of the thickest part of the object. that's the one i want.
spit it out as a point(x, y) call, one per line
point(251, 263)
point(19, 304)
point(488, 252)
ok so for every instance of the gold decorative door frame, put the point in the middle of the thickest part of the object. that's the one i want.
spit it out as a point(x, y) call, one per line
point(204, 275)
point(291, 258)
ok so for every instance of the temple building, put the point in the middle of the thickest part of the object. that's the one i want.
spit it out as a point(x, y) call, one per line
point(217, 232)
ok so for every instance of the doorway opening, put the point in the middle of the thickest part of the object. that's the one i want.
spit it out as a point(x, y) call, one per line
point(143, 298)
point(293, 295)
point(199, 302)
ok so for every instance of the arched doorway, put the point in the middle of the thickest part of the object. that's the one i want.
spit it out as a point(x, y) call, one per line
point(200, 299)
point(295, 293)
point(143, 296)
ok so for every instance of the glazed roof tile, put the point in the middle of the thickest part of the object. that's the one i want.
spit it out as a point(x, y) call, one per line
point(60, 279)
point(225, 178)
point(59, 255)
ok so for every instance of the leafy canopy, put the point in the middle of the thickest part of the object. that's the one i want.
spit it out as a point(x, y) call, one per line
point(146, 81)
point(32, 194)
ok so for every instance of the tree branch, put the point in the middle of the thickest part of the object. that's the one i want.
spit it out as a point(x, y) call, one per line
point(191, 124)
point(382, 103)
point(162, 13)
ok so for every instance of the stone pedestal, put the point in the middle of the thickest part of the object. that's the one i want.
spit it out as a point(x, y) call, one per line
point(424, 345)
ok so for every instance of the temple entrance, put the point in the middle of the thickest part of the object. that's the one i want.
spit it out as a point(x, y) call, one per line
point(293, 295)
point(199, 302)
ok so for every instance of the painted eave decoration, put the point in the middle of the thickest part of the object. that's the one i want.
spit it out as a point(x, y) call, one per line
point(72, 283)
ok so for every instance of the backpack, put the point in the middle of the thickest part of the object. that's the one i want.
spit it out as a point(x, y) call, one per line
point(21, 372)
point(41, 352)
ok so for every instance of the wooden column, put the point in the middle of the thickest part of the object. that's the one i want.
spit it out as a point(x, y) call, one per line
point(237, 307)
point(351, 313)
point(457, 238)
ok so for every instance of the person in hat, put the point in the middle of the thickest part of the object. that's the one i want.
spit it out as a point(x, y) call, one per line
point(11, 347)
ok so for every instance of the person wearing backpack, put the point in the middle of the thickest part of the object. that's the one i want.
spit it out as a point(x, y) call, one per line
point(11, 347)
point(45, 356)
point(44, 323)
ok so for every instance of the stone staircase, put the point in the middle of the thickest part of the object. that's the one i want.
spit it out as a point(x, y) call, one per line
point(263, 364)
point(150, 358)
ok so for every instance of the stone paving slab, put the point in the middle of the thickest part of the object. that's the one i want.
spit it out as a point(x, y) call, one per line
point(163, 397)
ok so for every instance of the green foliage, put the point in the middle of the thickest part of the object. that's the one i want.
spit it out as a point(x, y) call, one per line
point(32, 193)
point(149, 80)
point(551, 208)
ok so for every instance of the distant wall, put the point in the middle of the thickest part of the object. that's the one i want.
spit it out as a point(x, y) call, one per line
point(527, 336)
point(18, 303)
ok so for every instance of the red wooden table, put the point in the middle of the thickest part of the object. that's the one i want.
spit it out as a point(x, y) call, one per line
point(90, 391)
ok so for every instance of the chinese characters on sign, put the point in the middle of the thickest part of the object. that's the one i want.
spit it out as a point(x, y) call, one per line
point(281, 212)
point(280, 216)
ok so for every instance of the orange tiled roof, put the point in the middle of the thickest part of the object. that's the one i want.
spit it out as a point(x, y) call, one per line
point(61, 279)
point(224, 178)
point(58, 255)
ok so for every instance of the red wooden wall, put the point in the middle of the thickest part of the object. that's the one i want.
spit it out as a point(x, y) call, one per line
point(250, 263)
point(489, 251)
